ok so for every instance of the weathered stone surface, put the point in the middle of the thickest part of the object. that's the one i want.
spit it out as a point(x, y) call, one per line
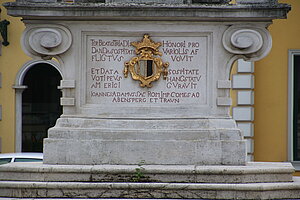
point(177, 116)
point(174, 140)
point(250, 173)
point(110, 119)
point(254, 181)
point(152, 190)
point(256, 1)
point(201, 152)
point(134, 1)
point(169, 124)
point(244, 10)
point(190, 141)
point(185, 105)
point(47, 40)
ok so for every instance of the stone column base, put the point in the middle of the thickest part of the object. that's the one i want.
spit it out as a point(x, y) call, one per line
point(153, 142)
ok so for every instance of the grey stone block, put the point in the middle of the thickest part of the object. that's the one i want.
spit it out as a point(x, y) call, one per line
point(150, 190)
point(200, 152)
point(256, 1)
point(250, 173)
point(180, 141)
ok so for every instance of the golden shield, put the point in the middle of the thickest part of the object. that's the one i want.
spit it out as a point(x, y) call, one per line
point(146, 67)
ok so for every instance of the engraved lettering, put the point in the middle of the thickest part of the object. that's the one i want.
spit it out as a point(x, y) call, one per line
point(185, 84)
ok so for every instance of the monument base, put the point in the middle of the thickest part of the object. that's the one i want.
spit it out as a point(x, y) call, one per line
point(85, 141)
point(252, 181)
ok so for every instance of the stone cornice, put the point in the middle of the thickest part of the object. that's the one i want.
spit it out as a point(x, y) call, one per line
point(101, 11)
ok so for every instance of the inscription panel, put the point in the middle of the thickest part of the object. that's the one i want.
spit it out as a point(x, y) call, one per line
point(186, 84)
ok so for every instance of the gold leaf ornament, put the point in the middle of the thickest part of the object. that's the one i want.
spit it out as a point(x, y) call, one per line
point(146, 67)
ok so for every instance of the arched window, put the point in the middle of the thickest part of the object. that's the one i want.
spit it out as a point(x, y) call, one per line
point(40, 105)
point(37, 104)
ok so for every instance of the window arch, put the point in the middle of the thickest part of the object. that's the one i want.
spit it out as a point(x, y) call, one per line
point(37, 103)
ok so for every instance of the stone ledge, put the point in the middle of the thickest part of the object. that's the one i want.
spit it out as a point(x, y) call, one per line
point(199, 12)
point(150, 190)
point(179, 134)
point(161, 186)
point(252, 172)
point(140, 123)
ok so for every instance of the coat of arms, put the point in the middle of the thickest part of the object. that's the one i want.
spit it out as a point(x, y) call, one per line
point(146, 67)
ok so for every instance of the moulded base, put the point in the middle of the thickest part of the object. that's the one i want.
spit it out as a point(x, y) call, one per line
point(155, 142)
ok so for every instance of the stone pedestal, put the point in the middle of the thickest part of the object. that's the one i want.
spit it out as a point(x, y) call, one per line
point(111, 119)
point(157, 141)
point(110, 116)
point(146, 99)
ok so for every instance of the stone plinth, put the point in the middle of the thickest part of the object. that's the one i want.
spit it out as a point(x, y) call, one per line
point(249, 173)
point(112, 117)
point(121, 136)
point(201, 142)
point(253, 181)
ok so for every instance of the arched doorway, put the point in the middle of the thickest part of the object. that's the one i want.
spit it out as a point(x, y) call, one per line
point(40, 105)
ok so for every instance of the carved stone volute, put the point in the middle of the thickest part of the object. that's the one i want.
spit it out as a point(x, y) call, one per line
point(252, 42)
point(46, 41)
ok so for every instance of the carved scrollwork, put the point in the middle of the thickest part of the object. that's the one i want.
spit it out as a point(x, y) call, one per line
point(252, 42)
point(46, 41)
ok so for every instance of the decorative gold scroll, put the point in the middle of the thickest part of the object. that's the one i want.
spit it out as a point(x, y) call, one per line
point(145, 67)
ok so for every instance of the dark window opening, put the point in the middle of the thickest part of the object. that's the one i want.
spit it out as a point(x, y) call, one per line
point(40, 105)
point(296, 113)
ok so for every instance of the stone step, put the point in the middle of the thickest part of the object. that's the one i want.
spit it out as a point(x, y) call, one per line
point(250, 173)
point(78, 198)
point(154, 152)
point(146, 134)
point(141, 124)
point(81, 199)
point(30, 189)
